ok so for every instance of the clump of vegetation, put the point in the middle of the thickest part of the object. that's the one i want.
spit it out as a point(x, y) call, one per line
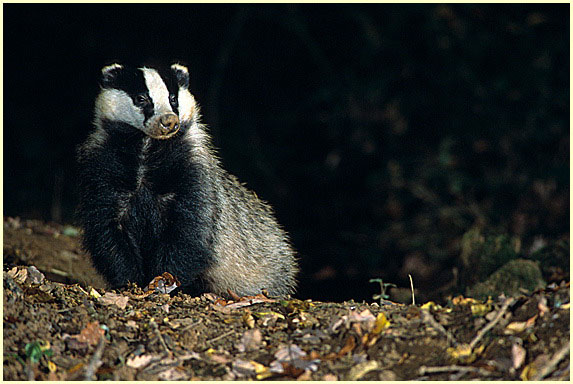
point(483, 254)
point(383, 287)
point(513, 279)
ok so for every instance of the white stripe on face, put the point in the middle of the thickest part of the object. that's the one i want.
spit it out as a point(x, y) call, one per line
point(116, 105)
point(157, 91)
point(186, 105)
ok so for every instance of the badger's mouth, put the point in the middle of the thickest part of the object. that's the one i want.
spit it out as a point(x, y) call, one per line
point(163, 126)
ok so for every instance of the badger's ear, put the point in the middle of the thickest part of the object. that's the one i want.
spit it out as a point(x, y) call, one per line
point(109, 74)
point(182, 74)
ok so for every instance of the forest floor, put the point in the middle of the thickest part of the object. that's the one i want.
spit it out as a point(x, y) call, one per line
point(61, 323)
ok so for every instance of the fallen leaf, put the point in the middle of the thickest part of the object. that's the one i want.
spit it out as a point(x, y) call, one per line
point(296, 305)
point(243, 368)
point(464, 354)
point(114, 299)
point(305, 376)
point(530, 370)
point(292, 357)
point(430, 305)
point(91, 334)
point(94, 293)
point(26, 275)
point(542, 306)
point(348, 346)
point(218, 358)
point(480, 309)
point(250, 341)
point(165, 283)
point(172, 374)
point(381, 323)
point(139, 361)
point(262, 371)
point(518, 354)
point(520, 326)
point(248, 319)
point(359, 370)
point(249, 300)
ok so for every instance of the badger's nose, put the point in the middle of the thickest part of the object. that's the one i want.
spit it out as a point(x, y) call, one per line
point(169, 122)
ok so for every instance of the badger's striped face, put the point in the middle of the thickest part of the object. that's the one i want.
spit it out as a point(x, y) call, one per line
point(158, 103)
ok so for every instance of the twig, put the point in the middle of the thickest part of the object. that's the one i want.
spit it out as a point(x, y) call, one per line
point(453, 368)
point(95, 361)
point(412, 287)
point(187, 327)
point(509, 301)
point(550, 366)
point(427, 317)
point(158, 334)
point(221, 336)
point(30, 374)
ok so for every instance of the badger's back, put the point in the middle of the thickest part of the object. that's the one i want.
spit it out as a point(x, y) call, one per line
point(154, 198)
point(247, 227)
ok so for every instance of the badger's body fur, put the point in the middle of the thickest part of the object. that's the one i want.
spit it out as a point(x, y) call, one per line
point(154, 198)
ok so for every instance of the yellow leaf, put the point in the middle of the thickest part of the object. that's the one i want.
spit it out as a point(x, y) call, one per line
point(480, 309)
point(528, 372)
point(94, 293)
point(381, 323)
point(51, 366)
point(210, 351)
point(430, 305)
point(463, 353)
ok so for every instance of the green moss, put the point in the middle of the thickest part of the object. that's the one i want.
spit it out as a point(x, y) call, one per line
point(514, 278)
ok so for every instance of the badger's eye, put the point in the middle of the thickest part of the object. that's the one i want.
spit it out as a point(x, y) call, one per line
point(141, 100)
point(173, 100)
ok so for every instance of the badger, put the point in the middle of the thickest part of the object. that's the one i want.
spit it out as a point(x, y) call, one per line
point(154, 197)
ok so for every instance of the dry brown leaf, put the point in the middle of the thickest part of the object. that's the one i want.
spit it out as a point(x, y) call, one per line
point(111, 298)
point(91, 334)
point(140, 361)
point(359, 370)
point(520, 326)
point(518, 354)
point(165, 283)
point(26, 275)
point(173, 374)
point(250, 341)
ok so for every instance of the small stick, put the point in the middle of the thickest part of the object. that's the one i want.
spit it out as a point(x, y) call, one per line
point(95, 361)
point(158, 334)
point(550, 366)
point(221, 336)
point(453, 368)
point(492, 323)
point(30, 371)
point(412, 287)
point(427, 317)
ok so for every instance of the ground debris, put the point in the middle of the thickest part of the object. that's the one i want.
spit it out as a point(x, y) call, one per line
point(67, 331)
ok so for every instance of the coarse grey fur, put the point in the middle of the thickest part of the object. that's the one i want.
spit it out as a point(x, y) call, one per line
point(231, 239)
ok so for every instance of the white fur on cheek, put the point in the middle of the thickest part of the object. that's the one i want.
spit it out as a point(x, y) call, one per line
point(116, 105)
point(186, 105)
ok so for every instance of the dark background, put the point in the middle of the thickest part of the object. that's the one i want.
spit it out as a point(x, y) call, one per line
point(380, 133)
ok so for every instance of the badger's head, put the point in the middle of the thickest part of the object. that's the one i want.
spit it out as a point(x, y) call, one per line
point(156, 102)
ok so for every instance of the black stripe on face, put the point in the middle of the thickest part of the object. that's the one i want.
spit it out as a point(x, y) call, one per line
point(170, 80)
point(131, 81)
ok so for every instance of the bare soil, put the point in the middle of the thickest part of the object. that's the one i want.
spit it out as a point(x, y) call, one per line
point(61, 323)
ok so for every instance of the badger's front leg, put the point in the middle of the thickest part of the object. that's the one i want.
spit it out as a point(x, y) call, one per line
point(185, 247)
point(115, 253)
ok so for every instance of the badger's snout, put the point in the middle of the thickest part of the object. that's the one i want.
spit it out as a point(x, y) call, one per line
point(163, 126)
point(169, 122)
